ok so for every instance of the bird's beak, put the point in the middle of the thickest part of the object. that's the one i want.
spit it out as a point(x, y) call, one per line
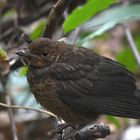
point(26, 54)
point(23, 54)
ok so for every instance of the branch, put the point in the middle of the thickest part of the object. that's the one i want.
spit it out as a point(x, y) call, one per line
point(11, 118)
point(92, 131)
point(132, 44)
point(73, 36)
point(88, 132)
point(25, 20)
point(27, 108)
point(54, 17)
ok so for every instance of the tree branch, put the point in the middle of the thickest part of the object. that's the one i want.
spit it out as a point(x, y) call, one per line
point(54, 17)
point(27, 108)
point(132, 44)
point(24, 20)
point(11, 118)
point(88, 132)
point(73, 36)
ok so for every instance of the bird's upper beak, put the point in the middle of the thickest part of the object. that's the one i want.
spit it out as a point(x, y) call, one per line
point(26, 54)
point(23, 53)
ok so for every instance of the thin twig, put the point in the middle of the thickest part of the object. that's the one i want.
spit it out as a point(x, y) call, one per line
point(11, 118)
point(74, 35)
point(27, 108)
point(132, 44)
point(54, 17)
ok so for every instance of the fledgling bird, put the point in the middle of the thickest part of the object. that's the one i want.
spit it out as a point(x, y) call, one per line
point(77, 84)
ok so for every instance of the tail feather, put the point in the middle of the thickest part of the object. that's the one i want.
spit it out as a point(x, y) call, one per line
point(121, 107)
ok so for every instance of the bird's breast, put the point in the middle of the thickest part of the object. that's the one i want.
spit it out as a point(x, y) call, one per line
point(45, 92)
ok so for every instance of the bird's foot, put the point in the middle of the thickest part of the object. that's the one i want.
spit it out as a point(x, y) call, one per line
point(61, 131)
point(61, 127)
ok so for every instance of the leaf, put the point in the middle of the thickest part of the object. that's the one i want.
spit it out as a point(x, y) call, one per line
point(85, 12)
point(126, 56)
point(2, 53)
point(38, 30)
point(98, 32)
point(9, 13)
point(110, 18)
point(113, 120)
point(23, 71)
point(4, 64)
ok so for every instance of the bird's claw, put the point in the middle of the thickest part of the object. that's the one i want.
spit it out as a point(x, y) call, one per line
point(61, 131)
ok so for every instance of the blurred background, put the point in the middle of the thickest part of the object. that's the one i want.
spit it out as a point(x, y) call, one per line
point(102, 26)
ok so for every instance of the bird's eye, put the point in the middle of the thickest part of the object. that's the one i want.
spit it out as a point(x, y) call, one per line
point(45, 54)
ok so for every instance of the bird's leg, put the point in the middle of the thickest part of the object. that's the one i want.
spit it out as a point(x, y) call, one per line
point(61, 131)
point(61, 127)
point(67, 131)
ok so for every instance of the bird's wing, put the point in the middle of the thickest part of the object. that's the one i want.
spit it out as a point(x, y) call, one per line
point(71, 71)
point(114, 80)
point(108, 88)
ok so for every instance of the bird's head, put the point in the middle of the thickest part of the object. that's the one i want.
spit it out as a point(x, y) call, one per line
point(41, 52)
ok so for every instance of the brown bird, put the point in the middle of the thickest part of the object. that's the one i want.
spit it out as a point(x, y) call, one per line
point(77, 84)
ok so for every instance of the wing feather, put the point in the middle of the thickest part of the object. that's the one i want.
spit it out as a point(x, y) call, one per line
point(107, 88)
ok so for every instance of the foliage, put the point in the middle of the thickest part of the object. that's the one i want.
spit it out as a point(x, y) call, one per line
point(85, 12)
point(114, 120)
point(3, 54)
point(23, 71)
point(103, 22)
point(126, 56)
point(110, 18)
point(38, 30)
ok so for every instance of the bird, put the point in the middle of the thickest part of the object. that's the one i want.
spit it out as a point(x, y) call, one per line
point(77, 84)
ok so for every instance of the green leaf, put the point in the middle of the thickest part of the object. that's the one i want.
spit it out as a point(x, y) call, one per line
point(126, 56)
point(113, 120)
point(38, 30)
point(2, 53)
point(23, 71)
point(110, 18)
point(9, 13)
point(85, 12)
point(98, 32)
